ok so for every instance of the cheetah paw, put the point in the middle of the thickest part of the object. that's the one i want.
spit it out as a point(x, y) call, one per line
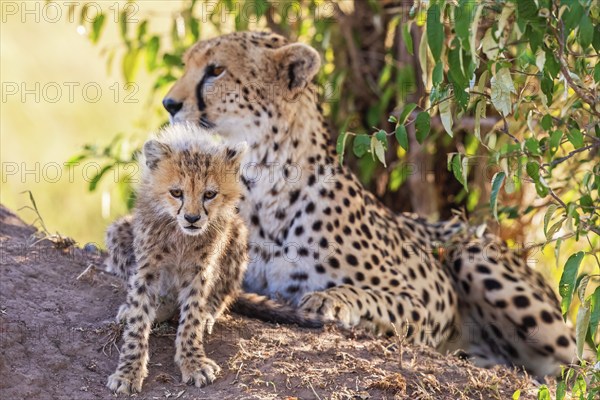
point(329, 308)
point(122, 313)
point(120, 383)
point(207, 321)
point(199, 372)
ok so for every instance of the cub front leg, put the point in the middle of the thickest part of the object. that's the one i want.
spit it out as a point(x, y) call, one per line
point(196, 368)
point(227, 286)
point(138, 314)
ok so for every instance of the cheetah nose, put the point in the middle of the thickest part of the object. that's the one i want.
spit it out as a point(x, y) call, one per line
point(171, 105)
point(191, 218)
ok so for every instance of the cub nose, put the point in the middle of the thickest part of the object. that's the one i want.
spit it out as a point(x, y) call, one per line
point(171, 105)
point(191, 218)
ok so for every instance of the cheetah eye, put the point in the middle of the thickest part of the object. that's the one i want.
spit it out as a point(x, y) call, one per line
point(210, 194)
point(177, 193)
point(213, 71)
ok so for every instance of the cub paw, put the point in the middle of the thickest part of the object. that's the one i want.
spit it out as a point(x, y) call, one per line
point(330, 308)
point(199, 372)
point(122, 315)
point(125, 383)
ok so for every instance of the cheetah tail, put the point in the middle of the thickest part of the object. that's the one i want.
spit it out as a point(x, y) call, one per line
point(262, 308)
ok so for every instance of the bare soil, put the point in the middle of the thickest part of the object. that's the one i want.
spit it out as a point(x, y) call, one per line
point(58, 341)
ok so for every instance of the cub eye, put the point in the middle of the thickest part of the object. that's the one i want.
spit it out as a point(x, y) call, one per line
point(210, 194)
point(214, 71)
point(177, 193)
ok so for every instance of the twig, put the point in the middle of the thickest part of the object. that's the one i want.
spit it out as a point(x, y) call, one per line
point(564, 69)
point(571, 154)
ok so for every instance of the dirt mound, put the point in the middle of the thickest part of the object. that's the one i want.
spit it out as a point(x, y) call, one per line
point(58, 342)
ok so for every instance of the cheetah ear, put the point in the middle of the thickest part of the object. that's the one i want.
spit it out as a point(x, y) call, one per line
point(297, 64)
point(235, 153)
point(154, 151)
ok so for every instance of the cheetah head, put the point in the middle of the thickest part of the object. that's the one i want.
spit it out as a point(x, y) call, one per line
point(190, 178)
point(242, 83)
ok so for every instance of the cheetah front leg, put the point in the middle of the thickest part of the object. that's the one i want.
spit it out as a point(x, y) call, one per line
point(196, 368)
point(403, 313)
point(138, 314)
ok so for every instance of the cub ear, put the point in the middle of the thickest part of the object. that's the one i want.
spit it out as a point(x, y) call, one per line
point(154, 151)
point(297, 64)
point(235, 153)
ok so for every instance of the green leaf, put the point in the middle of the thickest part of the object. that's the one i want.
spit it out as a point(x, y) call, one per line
point(435, 31)
point(546, 122)
point(141, 31)
point(576, 138)
point(171, 60)
point(407, 38)
point(551, 66)
point(581, 326)
point(516, 395)
point(437, 75)
point(526, 10)
point(463, 14)
point(123, 26)
point(595, 312)
point(446, 116)
point(378, 149)
point(572, 18)
point(561, 390)
point(409, 108)
point(96, 179)
point(455, 69)
point(130, 64)
point(457, 170)
point(533, 146)
point(497, 181)
point(381, 136)
point(582, 282)
point(533, 170)
point(596, 40)
point(152, 52)
point(97, 26)
point(597, 72)
point(555, 138)
point(548, 216)
point(502, 87)
point(75, 159)
point(422, 125)
point(361, 145)
point(554, 228)
point(402, 136)
point(340, 146)
point(544, 393)
point(586, 31)
point(568, 279)
point(547, 85)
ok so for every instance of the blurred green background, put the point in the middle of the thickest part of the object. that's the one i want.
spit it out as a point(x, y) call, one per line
point(51, 107)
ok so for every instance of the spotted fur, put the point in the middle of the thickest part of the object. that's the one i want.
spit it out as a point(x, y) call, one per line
point(188, 242)
point(321, 242)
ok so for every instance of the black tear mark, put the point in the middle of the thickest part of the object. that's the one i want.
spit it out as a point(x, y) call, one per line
point(231, 154)
point(199, 89)
point(292, 75)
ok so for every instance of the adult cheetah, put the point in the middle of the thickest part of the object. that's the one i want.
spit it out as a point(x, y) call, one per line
point(321, 242)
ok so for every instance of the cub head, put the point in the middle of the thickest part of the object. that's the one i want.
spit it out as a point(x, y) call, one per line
point(243, 84)
point(189, 177)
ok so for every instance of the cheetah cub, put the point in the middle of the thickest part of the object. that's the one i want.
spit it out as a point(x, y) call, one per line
point(188, 240)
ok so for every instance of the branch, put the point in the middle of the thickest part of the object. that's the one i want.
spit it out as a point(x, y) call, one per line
point(564, 69)
point(571, 154)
